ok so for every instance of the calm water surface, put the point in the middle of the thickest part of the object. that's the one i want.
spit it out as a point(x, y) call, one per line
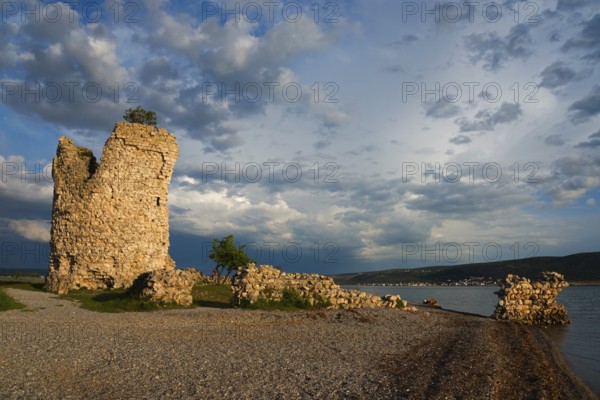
point(579, 342)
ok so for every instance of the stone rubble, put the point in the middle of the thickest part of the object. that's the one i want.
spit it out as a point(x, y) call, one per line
point(532, 303)
point(110, 221)
point(174, 286)
point(432, 302)
point(252, 283)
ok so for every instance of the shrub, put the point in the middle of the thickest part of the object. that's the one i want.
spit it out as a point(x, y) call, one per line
point(399, 303)
point(140, 116)
point(228, 257)
point(85, 153)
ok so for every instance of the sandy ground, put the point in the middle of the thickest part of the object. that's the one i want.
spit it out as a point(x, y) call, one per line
point(58, 351)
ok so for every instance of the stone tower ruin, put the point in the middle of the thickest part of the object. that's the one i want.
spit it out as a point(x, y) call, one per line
point(110, 221)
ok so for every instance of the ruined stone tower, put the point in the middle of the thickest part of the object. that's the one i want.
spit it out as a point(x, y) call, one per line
point(110, 222)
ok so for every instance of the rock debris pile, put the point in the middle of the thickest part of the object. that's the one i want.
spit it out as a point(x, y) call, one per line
point(252, 283)
point(174, 286)
point(532, 303)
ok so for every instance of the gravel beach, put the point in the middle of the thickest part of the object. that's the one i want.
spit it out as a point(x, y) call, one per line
point(56, 350)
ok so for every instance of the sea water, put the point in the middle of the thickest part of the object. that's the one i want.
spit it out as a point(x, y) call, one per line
point(579, 341)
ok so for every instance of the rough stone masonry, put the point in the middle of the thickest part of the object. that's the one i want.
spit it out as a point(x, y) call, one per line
point(110, 221)
point(252, 283)
point(532, 303)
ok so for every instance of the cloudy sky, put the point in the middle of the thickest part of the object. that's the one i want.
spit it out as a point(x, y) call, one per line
point(328, 136)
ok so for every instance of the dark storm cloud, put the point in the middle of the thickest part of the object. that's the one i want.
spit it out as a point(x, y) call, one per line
point(400, 231)
point(555, 37)
point(23, 208)
point(18, 252)
point(494, 50)
point(271, 176)
point(486, 120)
point(25, 191)
point(394, 69)
point(593, 141)
point(570, 5)
point(587, 39)
point(572, 177)
point(441, 109)
point(460, 139)
point(322, 144)
point(586, 108)
point(557, 74)
point(8, 53)
point(190, 250)
point(157, 68)
point(488, 47)
point(226, 141)
point(464, 200)
point(554, 140)
point(362, 150)
point(406, 40)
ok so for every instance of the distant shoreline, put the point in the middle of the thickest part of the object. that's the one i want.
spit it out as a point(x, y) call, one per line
point(575, 283)
point(582, 269)
point(412, 284)
point(418, 284)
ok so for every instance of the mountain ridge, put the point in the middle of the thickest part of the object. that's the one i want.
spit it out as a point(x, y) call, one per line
point(579, 267)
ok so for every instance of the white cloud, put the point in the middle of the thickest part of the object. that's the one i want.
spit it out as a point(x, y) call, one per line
point(36, 230)
point(572, 177)
point(22, 180)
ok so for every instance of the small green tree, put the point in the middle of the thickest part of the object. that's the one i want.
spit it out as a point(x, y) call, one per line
point(228, 257)
point(140, 116)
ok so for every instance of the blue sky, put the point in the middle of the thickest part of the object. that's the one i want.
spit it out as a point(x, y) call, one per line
point(328, 136)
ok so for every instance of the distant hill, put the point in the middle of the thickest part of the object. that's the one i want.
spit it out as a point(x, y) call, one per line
point(581, 268)
point(23, 271)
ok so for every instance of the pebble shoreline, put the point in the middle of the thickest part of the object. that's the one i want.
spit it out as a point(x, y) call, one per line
point(56, 350)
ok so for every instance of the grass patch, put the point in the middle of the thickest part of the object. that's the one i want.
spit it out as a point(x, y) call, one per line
point(218, 296)
point(290, 301)
point(8, 303)
point(113, 301)
point(23, 285)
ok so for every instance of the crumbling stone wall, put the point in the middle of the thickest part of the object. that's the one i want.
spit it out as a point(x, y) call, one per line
point(252, 283)
point(532, 302)
point(110, 220)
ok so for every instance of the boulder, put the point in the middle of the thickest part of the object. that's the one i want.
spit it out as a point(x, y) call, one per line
point(173, 286)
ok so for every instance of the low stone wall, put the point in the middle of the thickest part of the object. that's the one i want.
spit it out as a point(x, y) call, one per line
point(252, 283)
point(532, 303)
point(174, 286)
